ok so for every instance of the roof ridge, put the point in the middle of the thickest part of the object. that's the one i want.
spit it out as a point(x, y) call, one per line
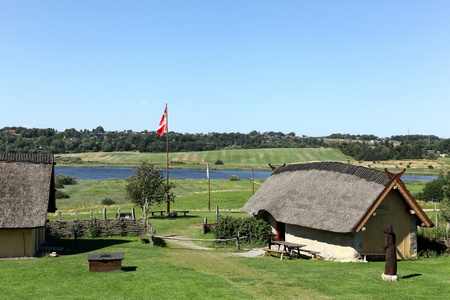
point(25, 157)
point(338, 167)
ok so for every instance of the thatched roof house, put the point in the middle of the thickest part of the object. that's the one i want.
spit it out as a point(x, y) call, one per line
point(338, 209)
point(27, 193)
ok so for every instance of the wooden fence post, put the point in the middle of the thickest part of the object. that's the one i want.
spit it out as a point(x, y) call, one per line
point(217, 212)
point(59, 215)
point(76, 215)
point(437, 221)
point(104, 213)
point(229, 211)
point(133, 216)
point(238, 244)
point(205, 221)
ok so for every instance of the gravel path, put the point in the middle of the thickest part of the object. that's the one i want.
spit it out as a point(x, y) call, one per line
point(190, 245)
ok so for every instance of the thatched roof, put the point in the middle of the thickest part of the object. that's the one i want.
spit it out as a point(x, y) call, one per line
point(26, 190)
point(328, 196)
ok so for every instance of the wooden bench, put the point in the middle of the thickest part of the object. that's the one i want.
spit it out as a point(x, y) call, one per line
point(181, 211)
point(283, 253)
point(314, 254)
point(157, 211)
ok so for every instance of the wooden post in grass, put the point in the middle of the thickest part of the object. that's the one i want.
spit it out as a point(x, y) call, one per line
point(133, 216)
point(76, 215)
point(59, 215)
point(437, 221)
point(217, 212)
point(104, 213)
point(152, 236)
point(229, 211)
point(205, 221)
point(238, 244)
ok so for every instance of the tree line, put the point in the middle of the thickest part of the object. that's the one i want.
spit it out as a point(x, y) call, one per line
point(34, 140)
point(361, 147)
point(397, 147)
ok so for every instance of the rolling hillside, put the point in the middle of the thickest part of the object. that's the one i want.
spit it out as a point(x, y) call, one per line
point(232, 159)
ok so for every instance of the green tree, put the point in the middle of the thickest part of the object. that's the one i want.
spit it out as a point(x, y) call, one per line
point(148, 184)
point(433, 190)
point(445, 203)
point(108, 202)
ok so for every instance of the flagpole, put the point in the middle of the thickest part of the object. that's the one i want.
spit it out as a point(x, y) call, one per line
point(167, 162)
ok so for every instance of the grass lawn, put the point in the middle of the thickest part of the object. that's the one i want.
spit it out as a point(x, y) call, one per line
point(190, 195)
point(176, 270)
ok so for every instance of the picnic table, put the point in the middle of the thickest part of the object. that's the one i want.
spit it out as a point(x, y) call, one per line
point(292, 249)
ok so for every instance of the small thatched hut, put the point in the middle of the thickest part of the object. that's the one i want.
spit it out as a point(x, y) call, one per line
point(338, 209)
point(27, 193)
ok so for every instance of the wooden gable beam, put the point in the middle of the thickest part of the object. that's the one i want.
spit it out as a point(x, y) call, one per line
point(410, 199)
point(413, 204)
point(395, 182)
point(375, 204)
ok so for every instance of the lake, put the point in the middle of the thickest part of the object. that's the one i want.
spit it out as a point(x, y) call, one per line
point(103, 173)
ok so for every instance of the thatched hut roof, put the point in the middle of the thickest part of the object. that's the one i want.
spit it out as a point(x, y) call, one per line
point(328, 196)
point(26, 189)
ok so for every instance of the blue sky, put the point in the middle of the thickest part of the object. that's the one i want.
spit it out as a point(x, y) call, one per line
point(309, 67)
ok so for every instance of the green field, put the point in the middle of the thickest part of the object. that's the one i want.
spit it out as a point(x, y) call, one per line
point(190, 195)
point(232, 159)
point(246, 159)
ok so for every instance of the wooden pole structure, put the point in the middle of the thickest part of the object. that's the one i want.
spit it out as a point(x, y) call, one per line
point(253, 181)
point(209, 187)
point(167, 162)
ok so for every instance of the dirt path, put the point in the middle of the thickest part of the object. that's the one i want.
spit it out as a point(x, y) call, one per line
point(255, 252)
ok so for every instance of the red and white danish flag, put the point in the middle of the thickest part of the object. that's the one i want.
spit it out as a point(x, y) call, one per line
point(162, 124)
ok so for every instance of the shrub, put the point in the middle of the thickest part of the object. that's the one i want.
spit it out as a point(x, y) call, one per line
point(61, 195)
point(218, 162)
point(252, 228)
point(94, 227)
point(234, 178)
point(430, 166)
point(108, 202)
point(61, 180)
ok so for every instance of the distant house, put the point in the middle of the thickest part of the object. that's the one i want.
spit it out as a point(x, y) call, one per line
point(339, 209)
point(27, 193)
